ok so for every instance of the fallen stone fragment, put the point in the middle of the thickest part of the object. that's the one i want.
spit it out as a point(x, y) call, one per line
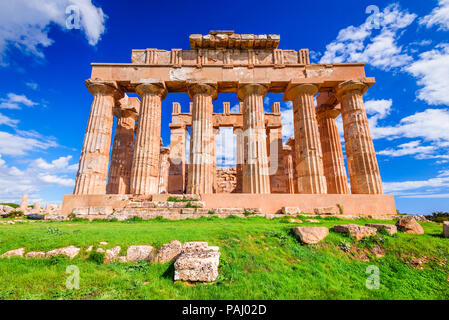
point(291, 210)
point(311, 235)
point(100, 250)
point(103, 243)
point(312, 220)
point(122, 259)
point(391, 229)
point(408, 224)
point(355, 231)
point(112, 254)
point(446, 229)
point(70, 251)
point(294, 221)
point(169, 251)
point(35, 254)
point(13, 253)
point(89, 249)
point(197, 263)
point(326, 211)
point(142, 252)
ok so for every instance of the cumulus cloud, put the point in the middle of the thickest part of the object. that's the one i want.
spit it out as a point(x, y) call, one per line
point(364, 44)
point(16, 101)
point(441, 180)
point(410, 148)
point(431, 70)
point(226, 148)
point(15, 182)
point(22, 142)
point(25, 24)
point(438, 17)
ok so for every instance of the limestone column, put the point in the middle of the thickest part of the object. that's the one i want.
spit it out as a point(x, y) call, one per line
point(213, 142)
point(177, 169)
point(275, 157)
point(145, 167)
point(239, 151)
point(308, 148)
point(362, 162)
point(200, 178)
point(333, 161)
point(122, 153)
point(256, 178)
point(93, 169)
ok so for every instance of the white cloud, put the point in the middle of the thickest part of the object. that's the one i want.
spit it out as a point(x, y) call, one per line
point(438, 17)
point(4, 120)
point(62, 163)
point(442, 180)
point(432, 70)
point(26, 23)
point(15, 182)
point(33, 85)
point(288, 130)
point(16, 101)
point(226, 148)
point(359, 44)
point(410, 148)
point(23, 142)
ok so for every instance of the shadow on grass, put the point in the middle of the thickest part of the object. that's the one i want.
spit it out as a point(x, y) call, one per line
point(170, 272)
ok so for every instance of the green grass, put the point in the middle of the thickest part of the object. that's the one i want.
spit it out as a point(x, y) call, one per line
point(260, 259)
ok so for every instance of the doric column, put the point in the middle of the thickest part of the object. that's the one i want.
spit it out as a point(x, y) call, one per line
point(213, 142)
point(289, 170)
point(333, 161)
point(119, 177)
point(308, 149)
point(164, 170)
point(200, 178)
point(145, 168)
point(177, 175)
point(93, 167)
point(362, 162)
point(239, 151)
point(275, 157)
point(255, 168)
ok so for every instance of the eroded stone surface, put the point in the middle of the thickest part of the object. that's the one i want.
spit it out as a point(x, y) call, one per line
point(35, 254)
point(311, 235)
point(112, 254)
point(446, 229)
point(355, 231)
point(326, 211)
point(70, 251)
point(291, 210)
point(197, 262)
point(140, 252)
point(408, 224)
point(14, 253)
point(169, 251)
point(390, 228)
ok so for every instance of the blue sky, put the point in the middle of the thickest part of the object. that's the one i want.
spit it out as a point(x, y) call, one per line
point(44, 104)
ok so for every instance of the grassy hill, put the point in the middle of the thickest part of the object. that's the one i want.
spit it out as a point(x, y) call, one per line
point(260, 259)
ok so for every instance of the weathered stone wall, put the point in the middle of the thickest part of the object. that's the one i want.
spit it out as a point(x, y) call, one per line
point(226, 180)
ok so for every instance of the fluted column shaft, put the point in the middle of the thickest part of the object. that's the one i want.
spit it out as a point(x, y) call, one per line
point(309, 162)
point(145, 167)
point(213, 142)
point(333, 161)
point(200, 179)
point(121, 156)
point(256, 178)
point(93, 168)
point(177, 169)
point(239, 151)
point(362, 162)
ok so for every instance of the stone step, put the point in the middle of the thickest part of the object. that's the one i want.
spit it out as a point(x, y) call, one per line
point(166, 204)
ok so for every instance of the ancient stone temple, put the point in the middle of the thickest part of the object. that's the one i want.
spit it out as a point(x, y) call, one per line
point(308, 172)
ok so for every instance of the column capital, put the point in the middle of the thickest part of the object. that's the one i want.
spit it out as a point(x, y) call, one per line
point(127, 107)
point(149, 87)
point(199, 87)
point(251, 88)
point(293, 91)
point(356, 85)
point(326, 111)
point(111, 88)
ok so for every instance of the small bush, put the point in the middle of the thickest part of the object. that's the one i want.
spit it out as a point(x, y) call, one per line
point(190, 205)
point(345, 246)
point(97, 257)
point(134, 219)
point(211, 212)
point(340, 208)
point(15, 214)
